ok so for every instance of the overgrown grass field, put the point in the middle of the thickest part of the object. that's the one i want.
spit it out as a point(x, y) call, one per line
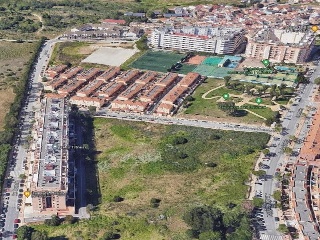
point(13, 58)
point(182, 166)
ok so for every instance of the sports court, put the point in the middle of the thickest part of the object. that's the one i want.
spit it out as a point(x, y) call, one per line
point(267, 79)
point(209, 67)
point(161, 61)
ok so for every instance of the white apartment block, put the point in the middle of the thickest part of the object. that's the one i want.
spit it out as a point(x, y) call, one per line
point(280, 45)
point(205, 39)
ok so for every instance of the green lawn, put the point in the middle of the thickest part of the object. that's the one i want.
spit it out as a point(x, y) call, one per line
point(265, 112)
point(139, 161)
point(209, 107)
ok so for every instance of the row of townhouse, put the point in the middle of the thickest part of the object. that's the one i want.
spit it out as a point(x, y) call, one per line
point(174, 98)
point(131, 91)
point(304, 185)
point(144, 93)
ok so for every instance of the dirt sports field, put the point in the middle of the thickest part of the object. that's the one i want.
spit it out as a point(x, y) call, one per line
point(196, 60)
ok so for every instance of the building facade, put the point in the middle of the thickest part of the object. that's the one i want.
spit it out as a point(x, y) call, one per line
point(280, 45)
point(52, 186)
point(209, 39)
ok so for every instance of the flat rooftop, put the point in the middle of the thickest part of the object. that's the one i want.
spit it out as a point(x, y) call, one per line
point(53, 146)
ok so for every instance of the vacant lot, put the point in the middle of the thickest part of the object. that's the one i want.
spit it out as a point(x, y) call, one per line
point(70, 52)
point(110, 56)
point(141, 161)
point(13, 57)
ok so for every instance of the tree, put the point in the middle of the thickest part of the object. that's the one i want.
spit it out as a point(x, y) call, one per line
point(243, 232)
point(155, 202)
point(265, 151)
point(107, 236)
point(258, 202)
point(277, 195)
point(92, 109)
point(269, 121)
point(204, 219)
point(189, 98)
point(22, 176)
point(265, 88)
point(227, 80)
point(287, 150)
point(54, 221)
point(231, 219)
point(283, 228)
point(24, 232)
point(38, 235)
point(210, 235)
point(317, 81)
point(293, 138)
point(69, 219)
point(228, 107)
point(179, 140)
point(118, 199)
point(259, 173)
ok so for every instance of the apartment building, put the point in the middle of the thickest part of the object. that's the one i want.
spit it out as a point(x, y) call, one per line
point(280, 45)
point(128, 77)
point(201, 39)
point(52, 186)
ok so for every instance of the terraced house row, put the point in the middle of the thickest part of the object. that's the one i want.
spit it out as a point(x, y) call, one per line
point(127, 91)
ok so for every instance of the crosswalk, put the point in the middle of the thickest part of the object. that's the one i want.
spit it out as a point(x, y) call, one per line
point(270, 237)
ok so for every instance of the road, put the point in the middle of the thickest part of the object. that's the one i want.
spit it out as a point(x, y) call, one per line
point(291, 119)
point(19, 153)
point(180, 121)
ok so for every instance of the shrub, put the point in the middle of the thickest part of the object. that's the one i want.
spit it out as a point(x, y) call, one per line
point(155, 202)
point(211, 164)
point(69, 219)
point(118, 199)
point(179, 140)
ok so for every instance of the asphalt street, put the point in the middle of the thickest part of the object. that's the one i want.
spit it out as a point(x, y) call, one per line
point(180, 121)
point(13, 202)
point(290, 123)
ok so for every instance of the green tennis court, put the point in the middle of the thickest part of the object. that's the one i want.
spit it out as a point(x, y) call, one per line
point(157, 61)
point(212, 61)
